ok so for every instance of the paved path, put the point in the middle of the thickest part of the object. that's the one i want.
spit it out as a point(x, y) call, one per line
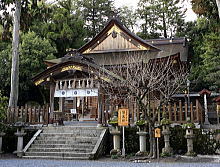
point(55, 163)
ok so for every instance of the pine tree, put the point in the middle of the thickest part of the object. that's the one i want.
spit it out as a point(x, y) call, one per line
point(160, 17)
point(96, 14)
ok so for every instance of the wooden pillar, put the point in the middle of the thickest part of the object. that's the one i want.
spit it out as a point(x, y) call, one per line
point(186, 112)
point(99, 109)
point(191, 112)
point(52, 91)
point(181, 111)
point(197, 111)
point(75, 107)
point(175, 110)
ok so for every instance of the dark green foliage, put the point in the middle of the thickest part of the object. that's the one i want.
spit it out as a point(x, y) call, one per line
point(160, 18)
point(128, 17)
point(177, 140)
point(66, 27)
point(204, 46)
point(10, 140)
point(205, 143)
point(96, 13)
point(131, 140)
point(3, 107)
point(33, 51)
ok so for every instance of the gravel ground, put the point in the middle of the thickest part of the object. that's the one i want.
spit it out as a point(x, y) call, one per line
point(115, 163)
point(10, 160)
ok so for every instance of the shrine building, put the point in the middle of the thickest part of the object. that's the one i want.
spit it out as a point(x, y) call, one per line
point(74, 80)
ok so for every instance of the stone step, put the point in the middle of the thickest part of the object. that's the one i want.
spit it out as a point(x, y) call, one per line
point(77, 138)
point(72, 129)
point(70, 134)
point(81, 150)
point(89, 146)
point(60, 154)
point(65, 142)
point(56, 157)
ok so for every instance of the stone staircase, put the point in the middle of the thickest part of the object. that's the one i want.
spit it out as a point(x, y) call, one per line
point(67, 142)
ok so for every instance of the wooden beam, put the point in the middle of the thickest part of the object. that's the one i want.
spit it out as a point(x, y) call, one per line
point(52, 91)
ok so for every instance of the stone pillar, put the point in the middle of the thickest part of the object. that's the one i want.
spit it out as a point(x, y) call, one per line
point(1, 135)
point(20, 134)
point(116, 141)
point(206, 111)
point(189, 136)
point(142, 143)
point(166, 132)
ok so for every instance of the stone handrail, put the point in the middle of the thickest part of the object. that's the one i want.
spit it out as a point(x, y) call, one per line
point(97, 148)
point(32, 140)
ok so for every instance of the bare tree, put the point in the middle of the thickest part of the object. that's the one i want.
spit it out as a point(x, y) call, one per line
point(15, 56)
point(143, 79)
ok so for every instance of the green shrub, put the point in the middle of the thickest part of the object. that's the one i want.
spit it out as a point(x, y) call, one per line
point(204, 142)
point(3, 107)
point(131, 140)
point(178, 140)
point(114, 156)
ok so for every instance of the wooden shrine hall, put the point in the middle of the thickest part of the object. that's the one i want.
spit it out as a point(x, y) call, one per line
point(74, 80)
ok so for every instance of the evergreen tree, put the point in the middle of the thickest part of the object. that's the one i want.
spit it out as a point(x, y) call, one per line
point(33, 51)
point(128, 17)
point(96, 13)
point(204, 44)
point(65, 28)
point(160, 17)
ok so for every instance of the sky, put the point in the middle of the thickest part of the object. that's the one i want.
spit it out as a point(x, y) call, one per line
point(190, 15)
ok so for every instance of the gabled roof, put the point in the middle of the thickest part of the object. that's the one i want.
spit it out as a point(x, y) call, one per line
point(75, 63)
point(114, 37)
point(165, 41)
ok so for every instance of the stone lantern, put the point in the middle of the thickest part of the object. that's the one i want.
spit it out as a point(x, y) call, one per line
point(115, 131)
point(166, 133)
point(189, 137)
point(20, 134)
point(1, 135)
point(142, 136)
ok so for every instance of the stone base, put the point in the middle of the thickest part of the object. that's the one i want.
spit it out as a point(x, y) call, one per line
point(19, 153)
point(191, 154)
point(168, 150)
point(115, 152)
point(141, 153)
point(99, 125)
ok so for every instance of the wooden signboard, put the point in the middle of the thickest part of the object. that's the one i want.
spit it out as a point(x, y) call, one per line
point(123, 117)
point(157, 133)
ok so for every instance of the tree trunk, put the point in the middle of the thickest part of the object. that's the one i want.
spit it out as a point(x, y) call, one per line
point(218, 5)
point(15, 56)
point(164, 26)
point(150, 141)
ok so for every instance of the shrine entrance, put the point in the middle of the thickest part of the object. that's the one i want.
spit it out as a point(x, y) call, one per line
point(75, 92)
point(78, 99)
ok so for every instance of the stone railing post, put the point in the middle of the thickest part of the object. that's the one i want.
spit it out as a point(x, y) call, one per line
point(1, 135)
